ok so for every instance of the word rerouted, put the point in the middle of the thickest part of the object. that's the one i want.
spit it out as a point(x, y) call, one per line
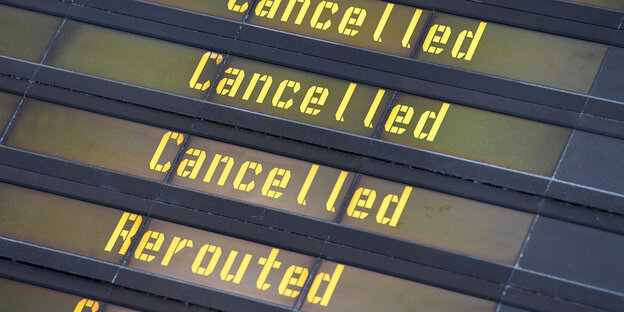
point(203, 257)
point(223, 262)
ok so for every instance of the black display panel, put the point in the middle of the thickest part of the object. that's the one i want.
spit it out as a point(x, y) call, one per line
point(332, 103)
point(459, 156)
point(287, 184)
point(276, 275)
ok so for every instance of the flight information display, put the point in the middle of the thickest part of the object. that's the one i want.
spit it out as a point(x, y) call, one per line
point(310, 155)
point(197, 256)
point(279, 276)
point(314, 99)
point(450, 40)
point(283, 183)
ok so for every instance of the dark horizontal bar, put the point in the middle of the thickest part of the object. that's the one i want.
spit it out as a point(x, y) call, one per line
point(53, 280)
point(567, 290)
point(194, 294)
point(168, 15)
point(563, 9)
point(57, 260)
point(595, 26)
point(542, 303)
point(87, 287)
point(58, 8)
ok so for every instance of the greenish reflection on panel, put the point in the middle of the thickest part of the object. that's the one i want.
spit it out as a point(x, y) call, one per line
point(438, 219)
point(24, 34)
point(370, 24)
point(8, 103)
point(16, 296)
point(263, 178)
point(510, 52)
point(113, 308)
point(222, 262)
point(129, 58)
point(302, 96)
point(89, 138)
point(613, 4)
point(232, 9)
point(364, 291)
point(475, 134)
point(56, 222)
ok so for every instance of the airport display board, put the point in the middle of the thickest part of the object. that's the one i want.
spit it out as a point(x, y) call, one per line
point(177, 149)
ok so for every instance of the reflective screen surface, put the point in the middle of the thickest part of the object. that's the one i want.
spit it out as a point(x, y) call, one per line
point(16, 296)
point(8, 103)
point(475, 134)
point(360, 290)
point(88, 138)
point(128, 58)
point(17, 24)
point(510, 52)
point(56, 222)
point(438, 219)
